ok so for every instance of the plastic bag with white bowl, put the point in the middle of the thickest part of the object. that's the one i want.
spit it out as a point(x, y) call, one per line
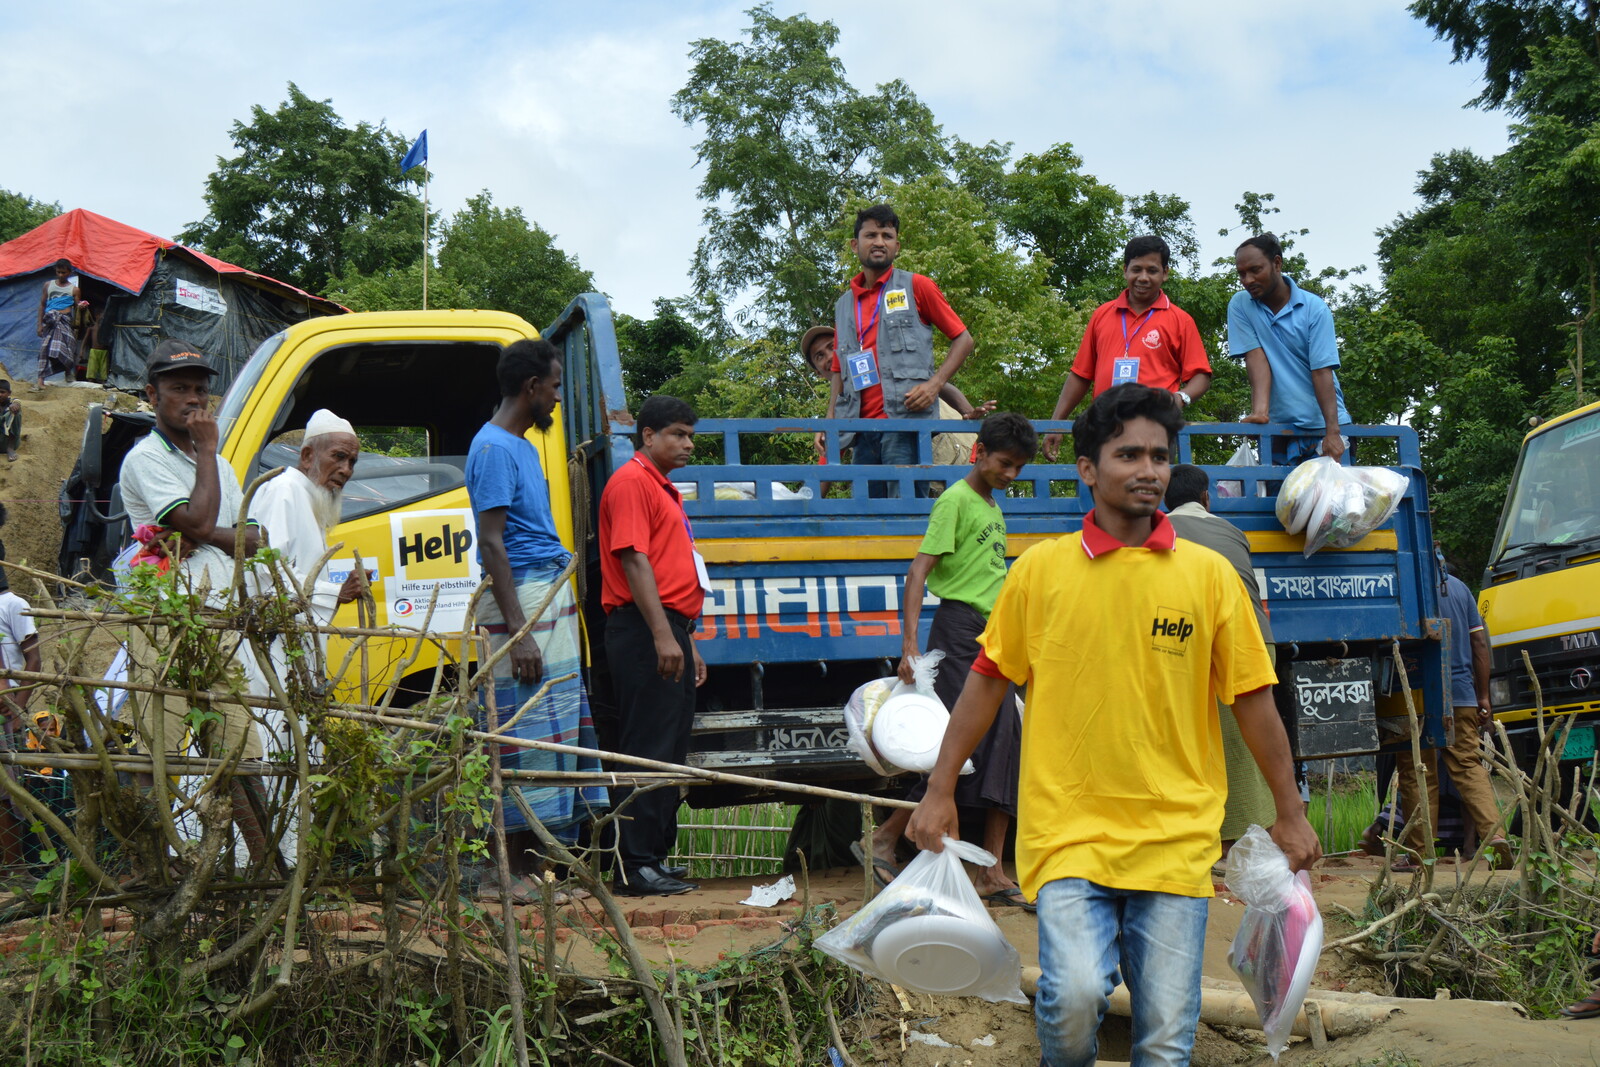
point(896, 727)
point(929, 932)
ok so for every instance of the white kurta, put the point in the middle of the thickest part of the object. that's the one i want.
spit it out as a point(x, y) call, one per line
point(285, 511)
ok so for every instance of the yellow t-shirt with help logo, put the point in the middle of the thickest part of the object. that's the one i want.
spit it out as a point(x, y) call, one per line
point(1125, 652)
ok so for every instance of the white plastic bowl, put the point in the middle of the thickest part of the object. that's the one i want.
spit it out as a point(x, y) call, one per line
point(908, 730)
point(939, 954)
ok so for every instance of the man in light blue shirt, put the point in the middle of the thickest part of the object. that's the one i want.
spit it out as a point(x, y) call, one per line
point(1285, 336)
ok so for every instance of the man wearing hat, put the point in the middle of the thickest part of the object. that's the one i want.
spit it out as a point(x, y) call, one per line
point(174, 482)
point(300, 507)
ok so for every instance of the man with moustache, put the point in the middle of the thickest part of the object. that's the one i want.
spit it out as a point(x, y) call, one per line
point(653, 585)
point(883, 324)
point(1141, 336)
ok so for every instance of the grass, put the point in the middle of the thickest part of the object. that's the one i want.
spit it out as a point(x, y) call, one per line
point(1342, 813)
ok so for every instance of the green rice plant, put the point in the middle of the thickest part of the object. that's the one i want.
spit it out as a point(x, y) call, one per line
point(1342, 807)
point(733, 842)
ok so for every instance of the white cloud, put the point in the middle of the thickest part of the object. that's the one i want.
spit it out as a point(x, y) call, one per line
point(566, 113)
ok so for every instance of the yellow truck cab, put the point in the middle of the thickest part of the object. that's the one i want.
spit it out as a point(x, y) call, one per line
point(1541, 590)
point(417, 386)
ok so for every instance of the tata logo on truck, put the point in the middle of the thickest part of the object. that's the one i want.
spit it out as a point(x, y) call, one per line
point(1575, 642)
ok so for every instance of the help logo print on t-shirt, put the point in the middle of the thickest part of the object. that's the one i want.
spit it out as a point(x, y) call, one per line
point(1170, 630)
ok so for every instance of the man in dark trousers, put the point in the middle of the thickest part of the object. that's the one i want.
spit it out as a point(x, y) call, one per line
point(884, 324)
point(653, 585)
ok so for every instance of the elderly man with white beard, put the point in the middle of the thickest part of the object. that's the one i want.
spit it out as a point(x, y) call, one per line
point(300, 507)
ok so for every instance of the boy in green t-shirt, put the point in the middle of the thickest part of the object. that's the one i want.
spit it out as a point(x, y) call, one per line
point(962, 559)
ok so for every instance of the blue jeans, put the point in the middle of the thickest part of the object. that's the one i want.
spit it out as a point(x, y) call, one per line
point(887, 448)
point(1086, 931)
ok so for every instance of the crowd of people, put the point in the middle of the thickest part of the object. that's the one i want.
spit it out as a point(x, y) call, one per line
point(1147, 623)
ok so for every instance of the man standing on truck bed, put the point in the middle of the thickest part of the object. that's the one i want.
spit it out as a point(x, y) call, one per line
point(522, 554)
point(1285, 337)
point(174, 481)
point(1124, 638)
point(652, 587)
point(884, 365)
point(962, 559)
point(1141, 336)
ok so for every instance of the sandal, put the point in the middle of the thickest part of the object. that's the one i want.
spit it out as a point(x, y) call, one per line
point(878, 866)
point(1404, 865)
point(1587, 1008)
point(1012, 898)
point(1500, 855)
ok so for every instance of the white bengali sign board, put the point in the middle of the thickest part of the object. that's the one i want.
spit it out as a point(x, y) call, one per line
point(188, 294)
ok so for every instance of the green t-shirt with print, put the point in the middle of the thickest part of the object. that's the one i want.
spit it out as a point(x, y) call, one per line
point(968, 534)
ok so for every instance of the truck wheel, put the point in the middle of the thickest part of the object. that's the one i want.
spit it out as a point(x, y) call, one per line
point(89, 452)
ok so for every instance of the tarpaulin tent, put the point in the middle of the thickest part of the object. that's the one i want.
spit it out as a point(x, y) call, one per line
point(157, 289)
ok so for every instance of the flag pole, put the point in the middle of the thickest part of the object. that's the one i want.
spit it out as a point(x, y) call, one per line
point(426, 236)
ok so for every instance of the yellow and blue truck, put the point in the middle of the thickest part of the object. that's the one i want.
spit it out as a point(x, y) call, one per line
point(807, 588)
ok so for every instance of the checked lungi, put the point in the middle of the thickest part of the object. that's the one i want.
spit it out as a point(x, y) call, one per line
point(561, 716)
point(59, 350)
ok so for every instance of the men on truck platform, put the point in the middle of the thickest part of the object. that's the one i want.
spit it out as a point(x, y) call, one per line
point(178, 491)
point(1470, 710)
point(883, 325)
point(1141, 336)
point(1122, 635)
point(1285, 336)
point(521, 552)
point(652, 586)
point(1188, 502)
point(962, 559)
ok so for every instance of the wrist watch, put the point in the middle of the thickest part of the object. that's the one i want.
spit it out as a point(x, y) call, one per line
point(1183, 398)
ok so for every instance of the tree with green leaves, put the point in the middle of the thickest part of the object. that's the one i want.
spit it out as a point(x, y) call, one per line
point(19, 214)
point(308, 198)
point(509, 263)
point(787, 140)
point(656, 351)
point(1503, 34)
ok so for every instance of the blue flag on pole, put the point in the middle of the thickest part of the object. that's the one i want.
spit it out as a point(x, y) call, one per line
point(418, 153)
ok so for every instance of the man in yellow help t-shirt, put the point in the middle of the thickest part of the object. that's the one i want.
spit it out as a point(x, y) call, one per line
point(1126, 640)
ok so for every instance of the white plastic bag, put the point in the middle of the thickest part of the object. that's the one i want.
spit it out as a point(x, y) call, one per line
point(1280, 937)
point(861, 712)
point(1338, 506)
point(930, 932)
point(1243, 456)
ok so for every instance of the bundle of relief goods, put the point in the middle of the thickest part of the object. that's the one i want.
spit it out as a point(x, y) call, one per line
point(929, 932)
point(1337, 506)
point(1280, 937)
point(896, 727)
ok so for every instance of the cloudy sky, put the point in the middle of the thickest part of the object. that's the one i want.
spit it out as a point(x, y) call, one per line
point(563, 109)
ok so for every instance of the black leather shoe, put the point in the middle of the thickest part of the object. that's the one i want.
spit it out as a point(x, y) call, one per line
point(674, 872)
point(652, 882)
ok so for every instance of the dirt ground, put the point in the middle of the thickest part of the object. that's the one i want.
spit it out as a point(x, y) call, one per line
point(52, 432)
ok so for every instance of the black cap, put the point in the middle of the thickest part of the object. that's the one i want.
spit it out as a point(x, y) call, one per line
point(175, 355)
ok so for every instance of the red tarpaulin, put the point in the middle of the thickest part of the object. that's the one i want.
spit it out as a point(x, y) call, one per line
point(106, 249)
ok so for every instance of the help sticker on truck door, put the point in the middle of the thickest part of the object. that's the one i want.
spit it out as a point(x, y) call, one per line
point(432, 551)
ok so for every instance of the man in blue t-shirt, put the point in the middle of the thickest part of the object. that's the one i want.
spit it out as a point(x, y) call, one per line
point(1285, 336)
point(1468, 652)
point(523, 557)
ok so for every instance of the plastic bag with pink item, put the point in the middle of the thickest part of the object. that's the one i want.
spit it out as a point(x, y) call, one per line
point(1275, 952)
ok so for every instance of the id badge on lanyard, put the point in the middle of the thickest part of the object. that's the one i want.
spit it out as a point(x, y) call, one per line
point(700, 573)
point(1125, 370)
point(863, 365)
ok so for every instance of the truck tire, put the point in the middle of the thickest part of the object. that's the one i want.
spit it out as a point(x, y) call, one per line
point(89, 452)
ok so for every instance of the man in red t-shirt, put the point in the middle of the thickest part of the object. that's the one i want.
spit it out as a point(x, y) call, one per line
point(1141, 336)
point(884, 331)
point(652, 587)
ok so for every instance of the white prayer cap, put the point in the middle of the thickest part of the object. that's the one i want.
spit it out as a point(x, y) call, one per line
point(324, 421)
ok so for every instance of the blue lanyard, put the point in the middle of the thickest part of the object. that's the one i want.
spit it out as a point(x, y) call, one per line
point(877, 305)
point(672, 491)
point(1136, 329)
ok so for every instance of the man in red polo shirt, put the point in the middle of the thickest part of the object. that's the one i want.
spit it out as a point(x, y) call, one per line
point(1141, 336)
point(652, 586)
point(883, 367)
